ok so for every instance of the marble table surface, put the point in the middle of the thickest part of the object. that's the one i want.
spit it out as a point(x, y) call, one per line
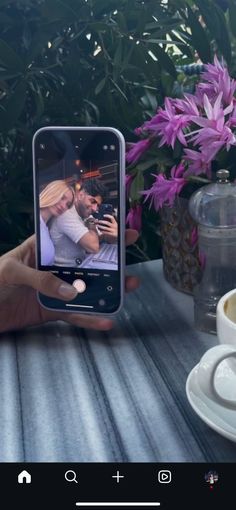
point(74, 395)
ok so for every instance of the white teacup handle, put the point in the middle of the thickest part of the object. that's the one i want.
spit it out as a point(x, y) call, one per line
point(207, 370)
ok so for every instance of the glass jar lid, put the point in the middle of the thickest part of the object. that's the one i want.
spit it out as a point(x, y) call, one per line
point(214, 205)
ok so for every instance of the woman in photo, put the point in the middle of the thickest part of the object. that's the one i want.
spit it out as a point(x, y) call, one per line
point(54, 200)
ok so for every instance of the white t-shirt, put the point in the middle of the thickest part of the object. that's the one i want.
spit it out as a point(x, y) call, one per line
point(46, 245)
point(66, 231)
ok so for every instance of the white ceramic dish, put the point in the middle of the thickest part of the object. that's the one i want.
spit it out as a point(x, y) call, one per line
point(220, 419)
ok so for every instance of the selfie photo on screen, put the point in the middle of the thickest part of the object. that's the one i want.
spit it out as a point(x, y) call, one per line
point(78, 213)
point(68, 215)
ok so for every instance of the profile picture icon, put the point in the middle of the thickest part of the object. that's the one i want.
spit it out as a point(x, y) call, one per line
point(211, 478)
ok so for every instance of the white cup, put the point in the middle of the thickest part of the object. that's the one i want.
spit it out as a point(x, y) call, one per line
point(217, 368)
point(226, 318)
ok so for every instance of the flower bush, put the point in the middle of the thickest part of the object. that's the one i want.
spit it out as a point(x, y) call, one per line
point(187, 140)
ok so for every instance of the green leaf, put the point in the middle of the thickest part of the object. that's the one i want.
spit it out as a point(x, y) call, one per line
point(117, 61)
point(216, 24)
point(6, 75)
point(3, 3)
point(178, 150)
point(222, 38)
point(121, 21)
point(164, 157)
point(183, 34)
point(9, 58)
point(39, 102)
point(167, 82)
point(6, 20)
point(119, 90)
point(118, 54)
point(165, 60)
point(94, 108)
point(149, 100)
point(128, 50)
point(57, 9)
point(142, 167)
point(98, 26)
point(13, 105)
point(232, 16)
point(207, 11)
point(199, 37)
point(184, 48)
point(137, 186)
point(40, 40)
point(165, 41)
point(167, 24)
point(103, 6)
point(100, 86)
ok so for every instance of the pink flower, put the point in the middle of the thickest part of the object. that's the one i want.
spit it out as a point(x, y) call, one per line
point(215, 132)
point(205, 88)
point(164, 190)
point(200, 162)
point(203, 124)
point(137, 149)
point(134, 217)
point(168, 125)
point(139, 130)
point(218, 80)
point(232, 120)
point(187, 106)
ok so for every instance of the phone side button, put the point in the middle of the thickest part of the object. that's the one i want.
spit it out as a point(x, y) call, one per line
point(80, 286)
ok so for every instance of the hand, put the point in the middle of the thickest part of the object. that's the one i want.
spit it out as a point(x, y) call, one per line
point(91, 223)
point(19, 281)
point(109, 227)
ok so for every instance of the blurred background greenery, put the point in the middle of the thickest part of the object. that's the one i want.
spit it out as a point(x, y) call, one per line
point(95, 62)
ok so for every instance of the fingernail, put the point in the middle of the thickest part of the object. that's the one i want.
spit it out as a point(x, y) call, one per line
point(68, 291)
point(106, 324)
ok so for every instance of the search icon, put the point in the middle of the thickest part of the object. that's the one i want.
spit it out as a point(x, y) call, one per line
point(70, 476)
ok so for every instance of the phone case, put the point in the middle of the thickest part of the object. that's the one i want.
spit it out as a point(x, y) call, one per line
point(121, 209)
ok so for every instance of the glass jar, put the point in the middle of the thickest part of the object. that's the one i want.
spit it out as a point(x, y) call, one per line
point(213, 207)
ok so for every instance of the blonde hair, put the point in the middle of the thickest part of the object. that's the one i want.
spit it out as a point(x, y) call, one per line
point(53, 192)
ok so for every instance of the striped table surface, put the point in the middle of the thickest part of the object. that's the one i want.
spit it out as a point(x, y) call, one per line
point(74, 395)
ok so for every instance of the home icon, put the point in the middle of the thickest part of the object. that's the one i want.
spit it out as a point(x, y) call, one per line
point(24, 477)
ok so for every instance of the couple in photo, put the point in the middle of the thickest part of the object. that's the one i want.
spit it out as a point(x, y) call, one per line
point(69, 234)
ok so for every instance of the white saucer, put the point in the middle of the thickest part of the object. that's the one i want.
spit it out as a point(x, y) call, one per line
point(219, 418)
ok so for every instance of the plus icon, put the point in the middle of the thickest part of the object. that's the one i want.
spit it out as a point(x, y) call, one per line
point(117, 476)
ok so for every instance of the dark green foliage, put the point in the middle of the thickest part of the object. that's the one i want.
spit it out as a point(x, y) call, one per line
point(78, 62)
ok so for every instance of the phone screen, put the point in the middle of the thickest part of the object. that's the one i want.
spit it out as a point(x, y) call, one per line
point(78, 194)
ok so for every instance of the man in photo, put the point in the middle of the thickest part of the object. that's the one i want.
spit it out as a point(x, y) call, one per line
point(72, 236)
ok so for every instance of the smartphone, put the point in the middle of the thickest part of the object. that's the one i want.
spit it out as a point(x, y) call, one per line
point(79, 172)
point(103, 209)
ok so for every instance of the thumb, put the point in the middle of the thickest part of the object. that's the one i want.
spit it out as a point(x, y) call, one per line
point(13, 272)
